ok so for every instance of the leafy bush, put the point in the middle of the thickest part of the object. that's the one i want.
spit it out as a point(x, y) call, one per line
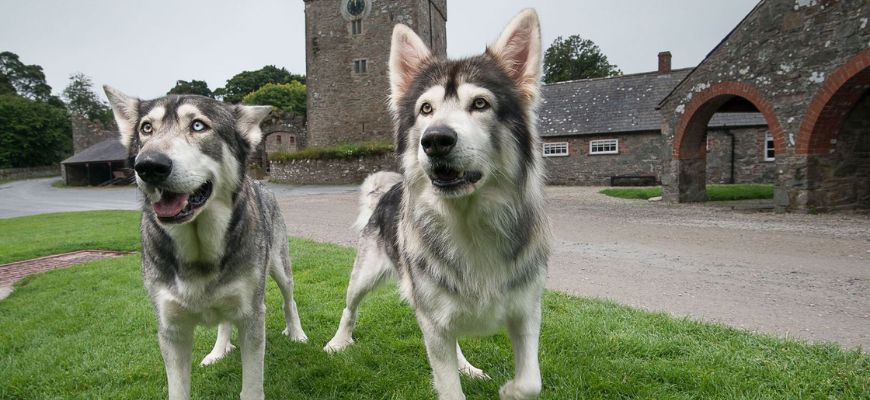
point(288, 97)
point(714, 192)
point(32, 133)
point(342, 151)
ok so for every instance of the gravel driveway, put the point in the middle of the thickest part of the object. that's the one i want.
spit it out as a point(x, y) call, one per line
point(804, 276)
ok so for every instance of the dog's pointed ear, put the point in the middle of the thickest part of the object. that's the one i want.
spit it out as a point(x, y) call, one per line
point(408, 55)
point(248, 119)
point(518, 50)
point(126, 110)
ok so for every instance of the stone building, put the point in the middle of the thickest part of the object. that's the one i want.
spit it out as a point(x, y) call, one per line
point(347, 51)
point(805, 66)
point(608, 131)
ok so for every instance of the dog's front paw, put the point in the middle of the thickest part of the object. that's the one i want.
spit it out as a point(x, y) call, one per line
point(337, 344)
point(296, 336)
point(514, 391)
point(473, 372)
point(216, 355)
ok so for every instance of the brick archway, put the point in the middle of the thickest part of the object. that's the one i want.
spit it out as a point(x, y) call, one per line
point(829, 107)
point(702, 107)
point(689, 161)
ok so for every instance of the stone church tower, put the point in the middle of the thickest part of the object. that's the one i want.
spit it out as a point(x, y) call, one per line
point(347, 48)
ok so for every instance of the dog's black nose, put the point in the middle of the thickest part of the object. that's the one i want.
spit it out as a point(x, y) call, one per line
point(153, 168)
point(437, 141)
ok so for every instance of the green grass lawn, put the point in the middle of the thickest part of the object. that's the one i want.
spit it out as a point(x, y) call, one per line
point(714, 192)
point(88, 332)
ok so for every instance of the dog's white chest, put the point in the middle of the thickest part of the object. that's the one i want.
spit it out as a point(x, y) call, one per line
point(199, 301)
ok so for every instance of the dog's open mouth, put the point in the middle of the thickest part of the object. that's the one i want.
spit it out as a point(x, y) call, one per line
point(179, 207)
point(446, 177)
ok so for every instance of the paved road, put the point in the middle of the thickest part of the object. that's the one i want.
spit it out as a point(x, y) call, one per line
point(804, 276)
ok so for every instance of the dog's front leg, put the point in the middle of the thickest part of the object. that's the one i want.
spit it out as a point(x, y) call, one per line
point(176, 345)
point(524, 331)
point(252, 338)
point(441, 349)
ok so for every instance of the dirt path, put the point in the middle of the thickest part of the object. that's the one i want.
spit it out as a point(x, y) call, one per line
point(805, 276)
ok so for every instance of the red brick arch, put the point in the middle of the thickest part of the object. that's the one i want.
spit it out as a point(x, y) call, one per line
point(702, 107)
point(833, 101)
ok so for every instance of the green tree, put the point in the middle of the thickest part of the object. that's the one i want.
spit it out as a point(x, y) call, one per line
point(576, 58)
point(6, 86)
point(81, 99)
point(288, 97)
point(248, 81)
point(191, 87)
point(32, 133)
point(28, 80)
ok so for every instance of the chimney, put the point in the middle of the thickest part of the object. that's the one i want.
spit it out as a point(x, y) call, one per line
point(665, 62)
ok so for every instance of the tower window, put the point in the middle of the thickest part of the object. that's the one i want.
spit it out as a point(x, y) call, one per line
point(356, 27)
point(278, 138)
point(769, 148)
point(359, 66)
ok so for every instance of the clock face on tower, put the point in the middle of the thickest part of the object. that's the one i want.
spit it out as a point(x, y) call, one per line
point(355, 9)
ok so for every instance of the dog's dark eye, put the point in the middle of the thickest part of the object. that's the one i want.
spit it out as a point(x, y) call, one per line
point(480, 104)
point(198, 126)
point(147, 128)
point(426, 109)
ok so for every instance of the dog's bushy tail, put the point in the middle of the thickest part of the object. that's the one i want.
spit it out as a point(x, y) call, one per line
point(371, 191)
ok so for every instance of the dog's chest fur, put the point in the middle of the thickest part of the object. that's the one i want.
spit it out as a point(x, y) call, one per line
point(464, 267)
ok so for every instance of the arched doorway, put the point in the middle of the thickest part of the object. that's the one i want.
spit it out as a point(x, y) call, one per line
point(690, 141)
point(835, 139)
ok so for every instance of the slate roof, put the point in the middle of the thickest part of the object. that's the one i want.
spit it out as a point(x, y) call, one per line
point(107, 150)
point(617, 105)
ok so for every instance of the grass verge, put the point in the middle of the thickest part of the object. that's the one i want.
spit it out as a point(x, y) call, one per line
point(89, 332)
point(335, 152)
point(714, 192)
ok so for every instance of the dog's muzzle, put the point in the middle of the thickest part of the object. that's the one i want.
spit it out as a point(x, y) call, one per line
point(153, 168)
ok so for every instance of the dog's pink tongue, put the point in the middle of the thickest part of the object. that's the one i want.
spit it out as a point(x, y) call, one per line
point(170, 204)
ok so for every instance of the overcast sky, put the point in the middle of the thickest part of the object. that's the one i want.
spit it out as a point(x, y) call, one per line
point(143, 47)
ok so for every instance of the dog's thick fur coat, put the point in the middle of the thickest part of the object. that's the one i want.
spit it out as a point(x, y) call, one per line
point(210, 234)
point(462, 227)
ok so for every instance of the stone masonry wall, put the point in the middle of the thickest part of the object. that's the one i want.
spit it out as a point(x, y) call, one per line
point(87, 133)
point(779, 58)
point(349, 107)
point(11, 174)
point(640, 155)
point(330, 172)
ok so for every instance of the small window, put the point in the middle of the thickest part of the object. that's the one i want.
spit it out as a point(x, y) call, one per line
point(769, 148)
point(556, 149)
point(359, 66)
point(356, 27)
point(604, 146)
point(291, 139)
point(278, 138)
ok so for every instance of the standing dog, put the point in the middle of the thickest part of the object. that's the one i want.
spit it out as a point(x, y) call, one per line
point(463, 226)
point(210, 234)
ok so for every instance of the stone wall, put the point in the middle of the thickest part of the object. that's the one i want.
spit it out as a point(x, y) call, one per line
point(349, 107)
point(330, 172)
point(87, 133)
point(11, 174)
point(749, 163)
point(780, 58)
point(640, 154)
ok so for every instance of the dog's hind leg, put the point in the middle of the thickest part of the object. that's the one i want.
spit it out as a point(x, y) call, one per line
point(465, 367)
point(282, 272)
point(370, 268)
point(222, 345)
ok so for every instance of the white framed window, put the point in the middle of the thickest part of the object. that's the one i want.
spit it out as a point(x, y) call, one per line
point(360, 66)
point(556, 149)
point(769, 148)
point(356, 27)
point(604, 146)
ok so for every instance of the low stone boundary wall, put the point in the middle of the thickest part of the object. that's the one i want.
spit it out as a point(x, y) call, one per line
point(330, 171)
point(10, 174)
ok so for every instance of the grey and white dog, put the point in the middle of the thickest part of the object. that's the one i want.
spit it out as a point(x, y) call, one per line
point(462, 227)
point(210, 234)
